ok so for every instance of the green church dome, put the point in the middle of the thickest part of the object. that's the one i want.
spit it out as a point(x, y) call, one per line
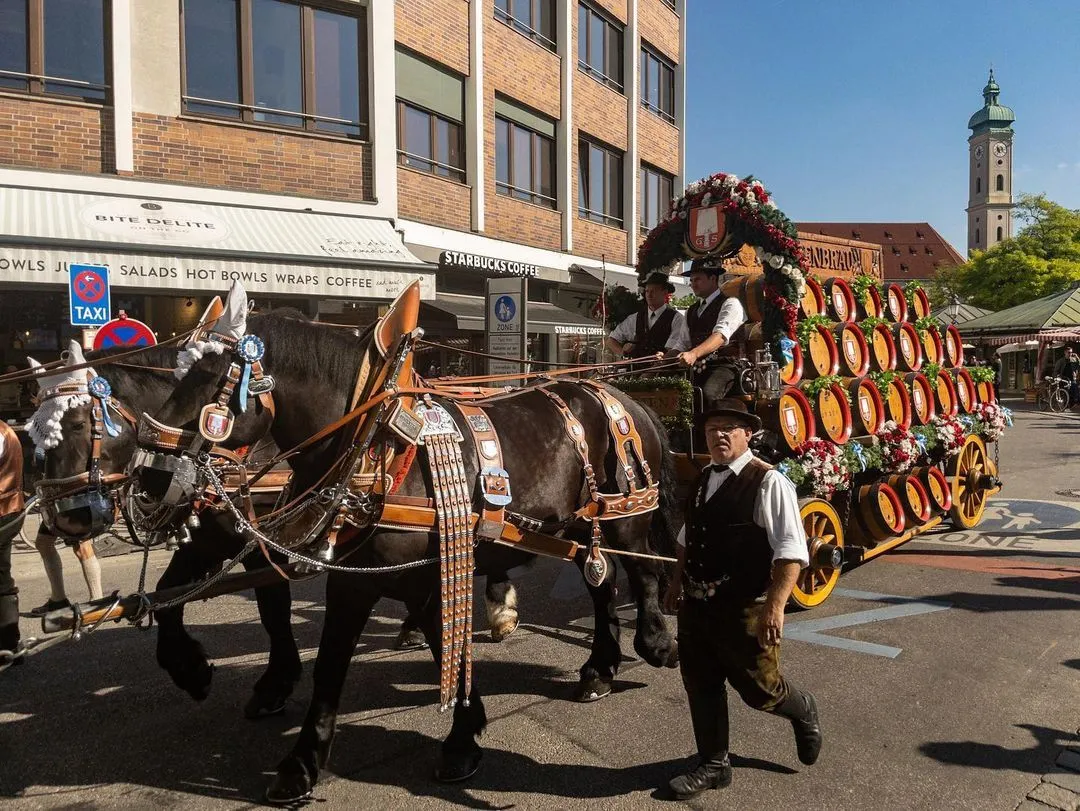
point(992, 115)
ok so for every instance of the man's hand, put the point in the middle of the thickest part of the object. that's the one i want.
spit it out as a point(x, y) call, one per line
point(627, 348)
point(771, 624)
point(688, 358)
point(672, 598)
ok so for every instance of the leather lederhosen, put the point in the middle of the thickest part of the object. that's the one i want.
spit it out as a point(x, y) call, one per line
point(650, 340)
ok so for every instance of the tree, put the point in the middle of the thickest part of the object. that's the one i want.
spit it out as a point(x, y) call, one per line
point(1043, 258)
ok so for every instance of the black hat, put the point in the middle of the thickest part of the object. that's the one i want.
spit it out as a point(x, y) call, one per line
point(731, 407)
point(658, 277)
point(706, 264)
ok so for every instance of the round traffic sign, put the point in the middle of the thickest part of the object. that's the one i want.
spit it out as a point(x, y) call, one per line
point(124, 332)
point(90, 286)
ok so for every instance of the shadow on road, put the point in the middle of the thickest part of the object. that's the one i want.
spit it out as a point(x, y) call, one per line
point(1033, 759)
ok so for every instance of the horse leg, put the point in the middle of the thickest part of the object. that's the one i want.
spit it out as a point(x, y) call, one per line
point(283, 670)
point(599, 670)
point(182, 656)
point(411, 636)
point(500, 597)
point(347, 610)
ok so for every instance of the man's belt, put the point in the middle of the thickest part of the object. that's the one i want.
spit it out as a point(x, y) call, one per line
point(702, 590)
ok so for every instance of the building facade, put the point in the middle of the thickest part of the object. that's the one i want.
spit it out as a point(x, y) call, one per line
point(990, 165)
point(329, 152)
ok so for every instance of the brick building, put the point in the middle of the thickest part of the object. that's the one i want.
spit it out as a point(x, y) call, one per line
point(328, 152)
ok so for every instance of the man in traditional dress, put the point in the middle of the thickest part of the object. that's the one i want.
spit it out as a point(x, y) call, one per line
point(743, 541)
point(648, 331)
point(11, 508)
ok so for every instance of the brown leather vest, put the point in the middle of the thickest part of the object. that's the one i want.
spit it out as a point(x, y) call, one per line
point(700, 322)
point(650, 340)
point(11, 472)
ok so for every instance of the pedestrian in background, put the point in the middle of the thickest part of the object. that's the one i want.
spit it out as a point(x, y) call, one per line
point(12, 503)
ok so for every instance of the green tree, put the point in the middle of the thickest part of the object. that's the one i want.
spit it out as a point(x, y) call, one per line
point(1043, 258)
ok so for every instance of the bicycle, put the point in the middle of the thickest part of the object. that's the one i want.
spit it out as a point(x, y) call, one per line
point(1053, 395)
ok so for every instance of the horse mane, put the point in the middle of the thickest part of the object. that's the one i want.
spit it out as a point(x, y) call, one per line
point(331, 353)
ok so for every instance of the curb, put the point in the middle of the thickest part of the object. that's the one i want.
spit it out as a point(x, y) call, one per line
point(1060, 788)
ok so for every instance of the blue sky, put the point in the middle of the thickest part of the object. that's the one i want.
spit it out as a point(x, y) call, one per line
point(857, 111)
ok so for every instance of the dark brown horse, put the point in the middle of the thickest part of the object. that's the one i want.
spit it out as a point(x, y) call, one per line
point(315, 371)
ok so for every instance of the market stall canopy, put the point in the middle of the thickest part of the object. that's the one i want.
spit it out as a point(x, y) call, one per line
point(1054, 317)
point(467, 313)
point(958, 314)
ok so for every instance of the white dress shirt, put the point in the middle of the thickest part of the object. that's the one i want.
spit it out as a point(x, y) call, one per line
point(732, 316)
point(776, 510)
point(626, 331)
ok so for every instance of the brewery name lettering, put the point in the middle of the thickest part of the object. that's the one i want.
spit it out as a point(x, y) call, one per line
point(830, 258)
point(456, 259)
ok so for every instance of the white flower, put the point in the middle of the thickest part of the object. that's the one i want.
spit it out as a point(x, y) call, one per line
point(706, 199)
point(770, 204)
point(695, 187)
point(759, 252)
point(730, 182)
point(776, 261)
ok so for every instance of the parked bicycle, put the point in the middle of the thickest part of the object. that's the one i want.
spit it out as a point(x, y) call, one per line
point(1053, 395)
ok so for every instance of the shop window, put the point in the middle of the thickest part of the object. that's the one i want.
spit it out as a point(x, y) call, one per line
point(54, 47)
point(600, 184)
point(1001, 182)
point(430, 112)
point(600, 47)
point(656, 191)
point(533, 18)
point(276, 63)
point(657, 84)
point(524, 154)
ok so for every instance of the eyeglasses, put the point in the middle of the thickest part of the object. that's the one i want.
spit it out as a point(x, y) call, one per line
point(724, 430)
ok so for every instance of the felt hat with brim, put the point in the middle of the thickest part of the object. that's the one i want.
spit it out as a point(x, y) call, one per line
point(732, 408)
point(658, 277)
point(705, 264)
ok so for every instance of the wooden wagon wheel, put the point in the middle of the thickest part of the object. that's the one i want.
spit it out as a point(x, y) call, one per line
point(968, 473)
point(825, 539)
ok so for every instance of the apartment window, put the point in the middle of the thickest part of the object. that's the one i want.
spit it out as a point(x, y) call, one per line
point(600, 184)
point(600, 47)
point(533, 18)
point(54, 47)
point(524, 154)
point(656, 192)
point(657, 84)
point(430, 112)
point(275, 62)
point(669, 3)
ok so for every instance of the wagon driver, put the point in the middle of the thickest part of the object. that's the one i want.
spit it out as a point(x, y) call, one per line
point(743, 541)
point(649, 330)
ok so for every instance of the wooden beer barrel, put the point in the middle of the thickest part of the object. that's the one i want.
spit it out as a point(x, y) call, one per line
point(813, 299)
point(832, 414)
point(790, 416)
point(878, 512)
point(913, 497)
point(945, 391)
point(922, 398)
point(822, 354)
point(898, 403)
point(750, 290)
point(919, 305)
point(895, 303)
point(932, 348)
point(868, 412)
point(791, 373)
point(882, 349)
point(966, 395)
point(985, 392)
point(854, 353)
point(937, 488)
point(870, 306)
point(839, 300)
point(908, 348)
point(954, 347)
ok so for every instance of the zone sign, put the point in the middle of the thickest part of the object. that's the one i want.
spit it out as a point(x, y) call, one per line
point(88, 295)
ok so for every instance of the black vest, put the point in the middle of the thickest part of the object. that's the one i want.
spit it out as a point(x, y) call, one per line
point(700, 322)
point(650, 340)
point(722, 538)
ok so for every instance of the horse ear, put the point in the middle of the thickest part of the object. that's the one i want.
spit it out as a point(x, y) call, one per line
point(75, 355)
point(233, 322)
point(33, 363)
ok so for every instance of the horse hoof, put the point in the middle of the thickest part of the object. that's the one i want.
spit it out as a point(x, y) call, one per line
point(503, 630)
point(411, 639)
point(459, 766)
point(591, 690)
point(289, 787)
point(263, 706)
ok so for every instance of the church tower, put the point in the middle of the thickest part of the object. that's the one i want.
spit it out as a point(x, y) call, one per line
point(990, 158)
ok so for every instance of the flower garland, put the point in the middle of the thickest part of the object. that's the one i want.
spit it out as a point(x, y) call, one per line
point(899, 448)
point(990, 420)
point(948, 435)
point(819, 468)
point(684, 415)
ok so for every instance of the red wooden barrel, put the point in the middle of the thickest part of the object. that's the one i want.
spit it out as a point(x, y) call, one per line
point(913, 497)
point(895, 303)
point(868, 411)
point(854, 353)
point(879, 512)
point(937, 487)
point(922, 398)
point(822, 354)
point(791, 373)
point(954, 347)
point(750, 290)
point(813, 300)
point(985, 392)
point(919, 304)
point(908, 348)
point(839, 300)
point(898, 403)
point(882, 349)
point(966, 395)
point(790, 416)
point(946, 394)
point(870, 306)
point(932, 348)
point(832, 414)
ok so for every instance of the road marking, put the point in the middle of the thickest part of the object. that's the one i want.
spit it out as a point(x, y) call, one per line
point(988, 565)
point(810, 630)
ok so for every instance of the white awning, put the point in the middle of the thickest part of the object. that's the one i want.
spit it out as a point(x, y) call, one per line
point(154, 243)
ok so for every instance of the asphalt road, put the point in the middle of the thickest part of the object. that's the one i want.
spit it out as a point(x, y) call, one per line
point(946, 673)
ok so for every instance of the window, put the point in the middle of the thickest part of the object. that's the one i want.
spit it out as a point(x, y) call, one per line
point(670, 4)
point(533, 18)
point(657, 85)
point(999, 234)
point(978, 235)
point(600, 184)
point(600, 47)
point(978, 185)
point(54, 47)
point(430, 112)
point(275, 62)
point(656, 189)
point(524, 154)
point(1001, 182)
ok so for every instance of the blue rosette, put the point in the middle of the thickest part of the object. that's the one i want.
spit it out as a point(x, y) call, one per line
point(249, 349)
point(100, 390)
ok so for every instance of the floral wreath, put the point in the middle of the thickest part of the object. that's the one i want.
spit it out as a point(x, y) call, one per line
point(752, 219)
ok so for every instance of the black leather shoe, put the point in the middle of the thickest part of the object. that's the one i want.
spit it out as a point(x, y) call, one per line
point(49, 605)
point(707, 775)
point(808, 732)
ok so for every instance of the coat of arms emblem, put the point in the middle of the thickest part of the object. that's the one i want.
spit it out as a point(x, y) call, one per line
point(706, 227)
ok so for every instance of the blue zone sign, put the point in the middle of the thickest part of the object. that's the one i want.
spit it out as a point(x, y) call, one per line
point(88, 295)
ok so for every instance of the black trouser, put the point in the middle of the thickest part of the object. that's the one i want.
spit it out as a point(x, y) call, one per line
point(9, 593)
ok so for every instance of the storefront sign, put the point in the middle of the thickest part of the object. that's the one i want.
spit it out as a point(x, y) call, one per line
point(147, 221)
point(182, 275)
point(471, 261)
point(505, 322)
point(574, 329)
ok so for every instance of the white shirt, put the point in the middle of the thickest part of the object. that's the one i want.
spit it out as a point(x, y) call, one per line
point(732, 316)
point(776, 510)
point(627, 329)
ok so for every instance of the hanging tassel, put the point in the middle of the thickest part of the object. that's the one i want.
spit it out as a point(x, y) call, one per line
point(242, 395)
point(786, 345)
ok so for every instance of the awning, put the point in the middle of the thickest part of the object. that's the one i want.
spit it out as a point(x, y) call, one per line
point(626, 278)
point(1043, 336)
point(467, 313)
point(153, 243)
